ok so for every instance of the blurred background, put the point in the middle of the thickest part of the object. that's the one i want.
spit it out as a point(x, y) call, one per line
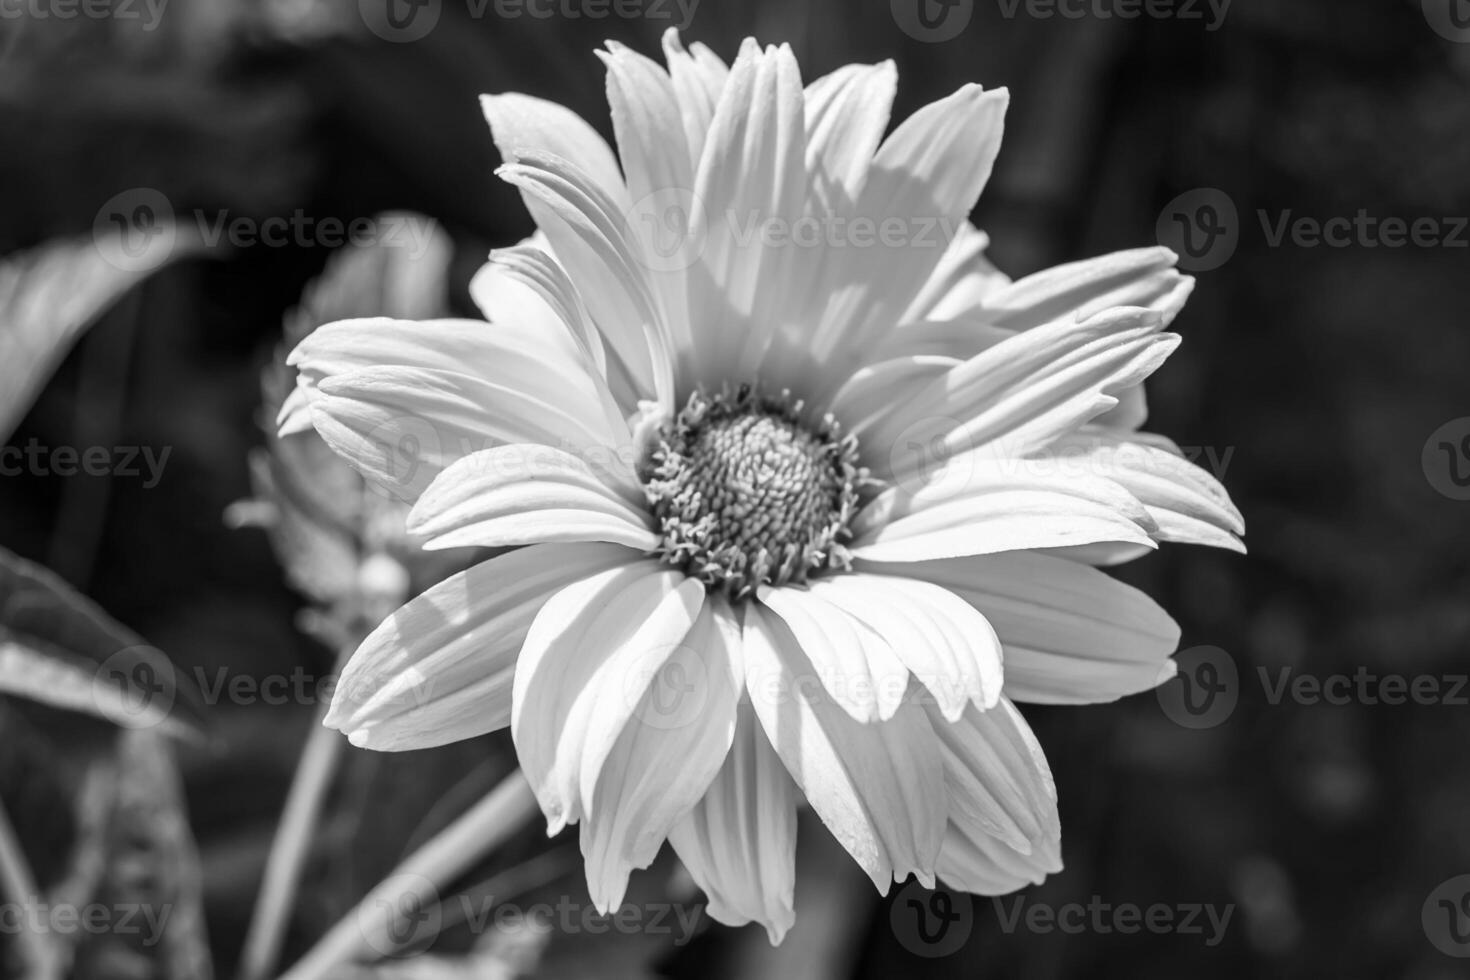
point(1323, 379)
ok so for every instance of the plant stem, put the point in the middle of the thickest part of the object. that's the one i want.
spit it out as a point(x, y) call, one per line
point(373, 926)
point(40, 958)
point(287, 860)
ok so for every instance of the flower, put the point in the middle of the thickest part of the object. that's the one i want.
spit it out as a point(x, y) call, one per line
point(786, 498)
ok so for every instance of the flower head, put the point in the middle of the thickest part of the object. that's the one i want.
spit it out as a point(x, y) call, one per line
point(795, 468)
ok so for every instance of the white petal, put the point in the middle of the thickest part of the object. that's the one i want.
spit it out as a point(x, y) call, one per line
point(585, 664)
point(944, 641)
point(1188, 504)
point(401, 400)
point(1072, 634)
point(699, 78)
point(739, 841)
point(878, 787)
point(527, 494)
point(855, 663)
point(752, 172)
point(960, 284)
point(957, 339)
point(500, 290)
point(846, 114)
point(1004, 830)
point(522, 124)
point(979, 506)
point(588, 229)
point(666, 757)
point(1017, 396)
point(1143, 277)
point(439, 669)
point(927, 176)
point(660, 174)
point(873, 390)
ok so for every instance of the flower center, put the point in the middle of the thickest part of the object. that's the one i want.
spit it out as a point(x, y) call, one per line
point(747, 494)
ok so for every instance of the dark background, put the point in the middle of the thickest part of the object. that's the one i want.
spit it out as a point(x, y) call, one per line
point(1315, 373)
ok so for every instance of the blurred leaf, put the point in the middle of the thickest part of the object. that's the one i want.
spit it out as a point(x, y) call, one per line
point(49, 294)
point(151, 883)
point(59, 648)
point(322, 518)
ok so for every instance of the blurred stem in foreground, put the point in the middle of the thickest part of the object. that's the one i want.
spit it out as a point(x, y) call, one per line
point(38, 956)
point(378, 920)
point(287, 860)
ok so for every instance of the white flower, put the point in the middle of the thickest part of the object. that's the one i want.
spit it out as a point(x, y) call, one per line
point(788, 497)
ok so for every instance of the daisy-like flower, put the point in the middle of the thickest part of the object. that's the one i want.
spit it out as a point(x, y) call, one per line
point(795, 470)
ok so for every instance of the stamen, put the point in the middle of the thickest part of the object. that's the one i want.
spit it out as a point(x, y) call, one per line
point(746, 493)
